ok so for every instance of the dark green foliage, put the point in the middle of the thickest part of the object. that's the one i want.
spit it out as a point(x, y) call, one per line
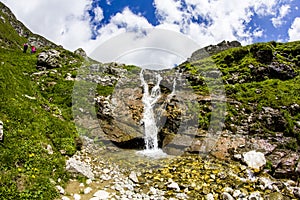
point(104, 90)
point(34, 115)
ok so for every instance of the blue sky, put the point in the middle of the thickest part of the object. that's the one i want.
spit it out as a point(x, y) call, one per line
point(89, 23)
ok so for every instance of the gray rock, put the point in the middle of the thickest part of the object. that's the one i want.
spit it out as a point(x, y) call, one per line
point(236, 193)
point(87, 190)
point(287, 165)
point(60, 189)
point(226, 196)
point(265, 183)
point(254, 160)
point(101, 194)
point(1, 131)
point(49, 59)
point(133, 177)
point(174, 186)
point(210, 196)
point(213, 49)
point(296, 192)
point(76, 166)
point(80, 52)
point(77, 197)
point(255, 196)
point(49, 149)
point(297, 170)
point(181, 196)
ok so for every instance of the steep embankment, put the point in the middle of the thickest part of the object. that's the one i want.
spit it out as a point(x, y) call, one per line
point(36, 115)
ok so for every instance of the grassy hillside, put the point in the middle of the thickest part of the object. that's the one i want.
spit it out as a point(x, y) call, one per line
point(36, 116)
point(258, 76)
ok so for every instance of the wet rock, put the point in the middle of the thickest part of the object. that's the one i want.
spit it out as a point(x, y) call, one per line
point(254, 160)
point(49, 59)
point(77, 166)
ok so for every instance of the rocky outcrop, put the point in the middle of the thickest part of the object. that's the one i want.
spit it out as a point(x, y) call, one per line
point(274, 70)
point(49, 59)
point(213, 49)
point(80, 52)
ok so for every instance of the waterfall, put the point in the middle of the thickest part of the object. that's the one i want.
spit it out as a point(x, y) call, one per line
point(149, 100)
point(149, 119)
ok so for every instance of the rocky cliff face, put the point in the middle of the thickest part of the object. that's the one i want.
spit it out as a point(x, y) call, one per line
point(256, 79)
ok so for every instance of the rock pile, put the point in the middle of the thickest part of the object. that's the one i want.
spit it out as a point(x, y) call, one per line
point(185, 177)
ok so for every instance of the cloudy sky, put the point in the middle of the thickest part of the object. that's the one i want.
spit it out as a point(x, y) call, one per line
point(88, 23)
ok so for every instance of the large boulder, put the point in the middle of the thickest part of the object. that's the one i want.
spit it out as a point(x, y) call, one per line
point(273, 70)
point(254, 160)
point(75, 165)
point(213, 49)
point(80, 52)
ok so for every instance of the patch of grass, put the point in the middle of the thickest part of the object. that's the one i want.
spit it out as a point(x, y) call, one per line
point(26, 166)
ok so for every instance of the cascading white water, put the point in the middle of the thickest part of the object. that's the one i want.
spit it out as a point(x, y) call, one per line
point(149, 100)
point(149, 120)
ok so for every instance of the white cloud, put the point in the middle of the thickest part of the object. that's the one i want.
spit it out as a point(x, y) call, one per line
point(168, 11)
point(222, 20)
point(283, 11)
point(68, 23)
point(294, 31)
point(63, 22)
point(98, 14)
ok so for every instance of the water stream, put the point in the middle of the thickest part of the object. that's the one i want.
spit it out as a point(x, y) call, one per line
point(149, 119)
